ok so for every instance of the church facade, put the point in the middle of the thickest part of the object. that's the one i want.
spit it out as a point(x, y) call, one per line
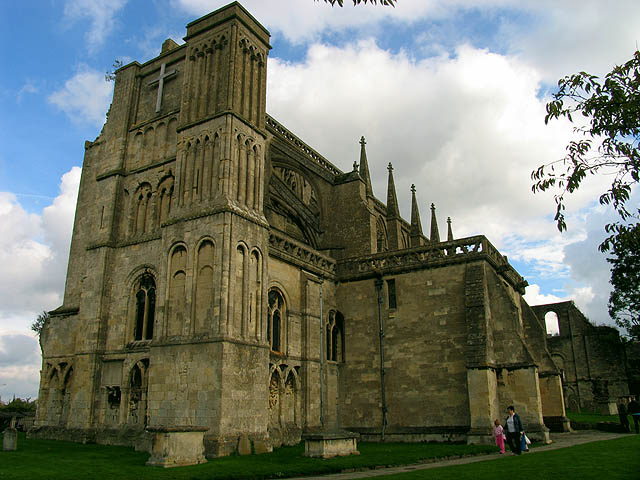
point(225, 275)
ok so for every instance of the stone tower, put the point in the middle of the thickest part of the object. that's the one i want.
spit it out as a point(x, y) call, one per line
point(170, 211)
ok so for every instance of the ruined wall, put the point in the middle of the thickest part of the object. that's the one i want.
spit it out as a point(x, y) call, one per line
point(590, 358)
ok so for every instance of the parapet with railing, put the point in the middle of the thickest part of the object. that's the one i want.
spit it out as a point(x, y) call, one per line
point(463, 250)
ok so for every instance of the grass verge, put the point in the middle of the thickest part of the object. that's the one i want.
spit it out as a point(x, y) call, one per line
point(47, 459)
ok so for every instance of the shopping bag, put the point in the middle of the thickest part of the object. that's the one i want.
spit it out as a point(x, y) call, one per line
point(526, 440)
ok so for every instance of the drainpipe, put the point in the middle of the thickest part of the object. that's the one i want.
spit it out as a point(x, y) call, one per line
point(378, 284)
point(322, 347)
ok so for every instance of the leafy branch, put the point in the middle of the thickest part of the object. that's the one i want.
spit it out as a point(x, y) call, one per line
point(609, 144)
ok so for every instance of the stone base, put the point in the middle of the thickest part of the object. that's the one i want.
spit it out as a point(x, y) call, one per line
point(10, 439)
point(557, 424)
point(177, 446)
point(239, 444)
point(480, 436)
point(330, 444)
point(125, 436)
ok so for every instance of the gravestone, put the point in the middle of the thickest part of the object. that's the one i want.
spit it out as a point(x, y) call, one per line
point(10, 437)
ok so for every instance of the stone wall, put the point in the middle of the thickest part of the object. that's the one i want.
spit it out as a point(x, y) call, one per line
point(590, 358)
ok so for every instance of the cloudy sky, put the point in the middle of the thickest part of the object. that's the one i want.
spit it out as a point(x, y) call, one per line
point(452, 92)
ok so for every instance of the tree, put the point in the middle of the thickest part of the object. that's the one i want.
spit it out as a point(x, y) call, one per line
point(390, 3)
point(624, 301)
point(608, 144)
point(110, 75)
point(40, 322)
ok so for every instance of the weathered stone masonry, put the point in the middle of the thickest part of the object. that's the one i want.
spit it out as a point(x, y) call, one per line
point(226, 278)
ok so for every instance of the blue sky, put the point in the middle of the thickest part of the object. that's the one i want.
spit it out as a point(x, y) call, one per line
point(451, 92)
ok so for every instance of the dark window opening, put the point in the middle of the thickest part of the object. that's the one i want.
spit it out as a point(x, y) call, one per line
point(391, 288)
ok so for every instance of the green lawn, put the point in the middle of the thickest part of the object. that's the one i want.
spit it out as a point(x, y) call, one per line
point(44, 459)
point(611, 460)
point(593, 418)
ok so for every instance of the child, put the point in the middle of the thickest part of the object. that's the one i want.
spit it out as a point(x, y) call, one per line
point(498, 432)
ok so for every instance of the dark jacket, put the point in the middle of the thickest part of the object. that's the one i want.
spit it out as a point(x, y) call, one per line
point(634, 407)
point(517, 423)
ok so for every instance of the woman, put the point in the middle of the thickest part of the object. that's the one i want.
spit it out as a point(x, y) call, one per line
point(513, 429)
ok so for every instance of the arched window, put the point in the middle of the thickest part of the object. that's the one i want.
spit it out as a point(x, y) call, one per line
point(145, 308)
point(276, 316)
point(142, 216)
point(165, 192)
point(551, 323)
point(335, 336)
point(177, 291)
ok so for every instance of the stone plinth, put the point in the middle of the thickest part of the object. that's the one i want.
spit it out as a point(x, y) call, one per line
point(177, 446)
point(10, 439)
point(330, 444)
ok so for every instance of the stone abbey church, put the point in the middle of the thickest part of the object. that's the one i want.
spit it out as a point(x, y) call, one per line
point(226, 277)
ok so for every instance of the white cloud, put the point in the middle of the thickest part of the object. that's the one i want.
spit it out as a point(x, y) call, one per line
point(101, 15)
point(570, 36)
point(27, 88)
point(85, 97)
point(533, 296)
point(558, 38)
point(34, 251)
point(466, 130)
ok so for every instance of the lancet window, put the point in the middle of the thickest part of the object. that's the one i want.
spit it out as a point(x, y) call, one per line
point(335, 336)
point(145, 308)
point(275, 320)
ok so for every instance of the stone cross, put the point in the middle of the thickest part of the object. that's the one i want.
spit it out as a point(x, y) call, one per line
point(160, 81)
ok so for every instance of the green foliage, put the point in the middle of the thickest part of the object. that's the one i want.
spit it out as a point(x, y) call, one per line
point(18, 405)
point(624, 301)
point(40, 322)
point(390, 3)
point(110, 75)
point(607, 144)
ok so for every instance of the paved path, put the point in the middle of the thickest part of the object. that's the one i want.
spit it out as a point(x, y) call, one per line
point(560, 440)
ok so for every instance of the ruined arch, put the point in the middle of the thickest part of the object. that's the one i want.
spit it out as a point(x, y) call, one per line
point(552, 323)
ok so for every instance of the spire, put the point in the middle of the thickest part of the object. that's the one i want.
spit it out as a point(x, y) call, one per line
point(435, 236)
point(392, 200)
point(449, 231)
point(364, 167)
point(415, 234)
